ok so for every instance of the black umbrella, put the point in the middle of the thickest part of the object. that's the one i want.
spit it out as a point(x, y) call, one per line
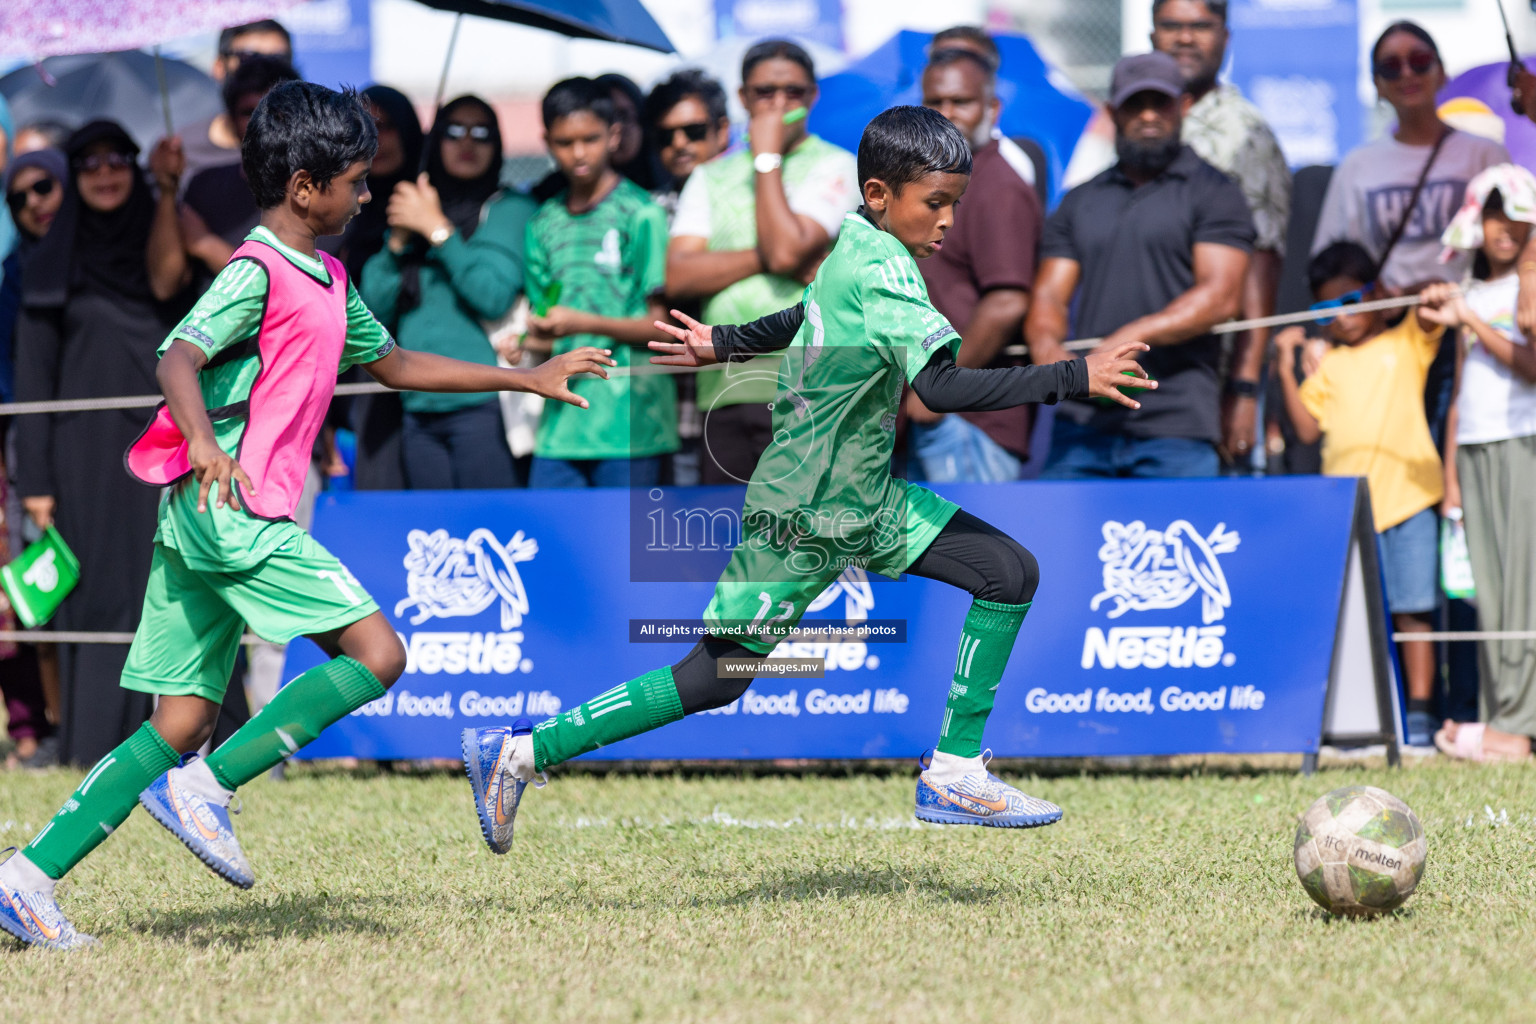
point(120, 86)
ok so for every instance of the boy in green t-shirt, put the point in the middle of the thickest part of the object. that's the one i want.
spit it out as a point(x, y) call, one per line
point(249, 373)
point(822, 498)
point(596, 268)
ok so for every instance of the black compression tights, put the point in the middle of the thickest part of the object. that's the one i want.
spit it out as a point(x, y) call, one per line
point(968, 553)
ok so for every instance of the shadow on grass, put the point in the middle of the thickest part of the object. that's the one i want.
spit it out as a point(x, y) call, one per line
point(293, 916)
point(853, 882)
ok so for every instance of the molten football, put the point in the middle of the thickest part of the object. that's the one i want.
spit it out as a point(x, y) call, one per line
point(1359, 851)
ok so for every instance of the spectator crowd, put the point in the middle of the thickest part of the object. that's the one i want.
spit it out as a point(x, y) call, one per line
point(656, 203)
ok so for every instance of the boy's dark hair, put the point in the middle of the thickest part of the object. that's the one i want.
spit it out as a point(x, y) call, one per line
point(904, 143)
point(301, 126)
point(228, 36)
point(572, 96)
point(258, 74)
point(1341, 259)
point(949, 55)
point(683, 84)
point(1218, 8)
point(777, 49)
point(975, 35)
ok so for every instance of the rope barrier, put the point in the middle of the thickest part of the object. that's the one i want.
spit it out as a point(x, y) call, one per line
point(1473, 634)
point(51, 636)
point(648, 369)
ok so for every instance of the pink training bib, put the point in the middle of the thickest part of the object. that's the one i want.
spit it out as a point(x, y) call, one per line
point(300, 344)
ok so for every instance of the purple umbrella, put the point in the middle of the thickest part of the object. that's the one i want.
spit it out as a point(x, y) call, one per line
point(1489, 84)
point(52, 28)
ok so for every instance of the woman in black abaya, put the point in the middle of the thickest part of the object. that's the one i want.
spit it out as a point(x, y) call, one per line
point(96, 304)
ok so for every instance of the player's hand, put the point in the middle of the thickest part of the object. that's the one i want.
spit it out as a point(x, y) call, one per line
point(39, 509)
point(1110, 369)
point(217, 471)
point(1289, 339)
point(550, 379)
point(694, 346)
point(559, 322)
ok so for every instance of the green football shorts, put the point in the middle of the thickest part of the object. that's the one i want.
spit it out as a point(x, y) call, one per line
point(775, 573)
point(190, 631)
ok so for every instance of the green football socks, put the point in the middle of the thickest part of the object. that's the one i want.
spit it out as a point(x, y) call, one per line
point(985, 643)
point(300, 712)
point(628, 709)
point(102, 802)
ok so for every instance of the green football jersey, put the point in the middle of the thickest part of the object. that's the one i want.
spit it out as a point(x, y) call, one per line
point(227, 316)
point(607, 260)
point(869, 328)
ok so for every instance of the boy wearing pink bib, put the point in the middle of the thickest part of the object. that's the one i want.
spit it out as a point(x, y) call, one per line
point(247, 377)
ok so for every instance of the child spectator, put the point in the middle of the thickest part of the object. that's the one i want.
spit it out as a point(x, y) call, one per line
point(454, 261)
point(1490, 465)
point(1366, 402)
point(596, 266)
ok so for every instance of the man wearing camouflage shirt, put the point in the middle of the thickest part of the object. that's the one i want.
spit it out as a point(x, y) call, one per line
point(1228, 132)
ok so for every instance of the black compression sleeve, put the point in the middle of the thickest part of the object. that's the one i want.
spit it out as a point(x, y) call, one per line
point(768, 334)
point(946, 387)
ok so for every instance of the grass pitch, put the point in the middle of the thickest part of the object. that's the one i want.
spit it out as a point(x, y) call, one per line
point(1164, 898)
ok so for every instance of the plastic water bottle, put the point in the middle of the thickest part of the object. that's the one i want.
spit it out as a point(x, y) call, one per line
point(1455, 564)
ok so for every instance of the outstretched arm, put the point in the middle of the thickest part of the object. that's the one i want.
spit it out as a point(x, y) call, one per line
point(405, 370)
point(946, 387)
point(701, 344)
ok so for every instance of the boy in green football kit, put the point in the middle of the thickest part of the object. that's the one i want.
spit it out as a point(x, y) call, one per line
point(823, 498)
point(603, 241)
point(247, 377)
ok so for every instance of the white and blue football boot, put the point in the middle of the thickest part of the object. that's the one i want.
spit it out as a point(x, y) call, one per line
point(499, 763)
point(190, 802)
point(33, 916)
point(980, 798)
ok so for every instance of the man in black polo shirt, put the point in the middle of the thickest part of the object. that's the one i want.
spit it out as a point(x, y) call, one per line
point(1158, 247)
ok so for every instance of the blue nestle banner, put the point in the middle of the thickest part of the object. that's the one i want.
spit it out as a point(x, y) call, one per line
point(1172, 617)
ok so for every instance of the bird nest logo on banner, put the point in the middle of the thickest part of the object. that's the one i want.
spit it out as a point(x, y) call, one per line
point(449, 577)
point(1159, 570)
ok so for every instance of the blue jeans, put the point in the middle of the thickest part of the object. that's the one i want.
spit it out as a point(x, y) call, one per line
point(1079, 452)
point(644, 472)
point(954, 450)
point(461, 450)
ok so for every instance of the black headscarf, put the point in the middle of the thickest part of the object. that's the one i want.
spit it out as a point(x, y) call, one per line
point(88, 249)
point(462, 199)
point(56, 165)
point(365, 235)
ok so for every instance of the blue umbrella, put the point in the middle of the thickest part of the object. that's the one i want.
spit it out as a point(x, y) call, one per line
point(614, 21)
point(1037, 101)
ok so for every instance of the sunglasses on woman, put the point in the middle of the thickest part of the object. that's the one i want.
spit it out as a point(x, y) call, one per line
point(1347, 299)
point(41, 187)
point(696, 132)
point(792, 93)
point(473, 132)
point(96, 161)
point(1420, 62)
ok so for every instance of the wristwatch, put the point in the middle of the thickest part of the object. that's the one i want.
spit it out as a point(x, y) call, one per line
point(1243, 388)
point(439, 235)
point(766, 163)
